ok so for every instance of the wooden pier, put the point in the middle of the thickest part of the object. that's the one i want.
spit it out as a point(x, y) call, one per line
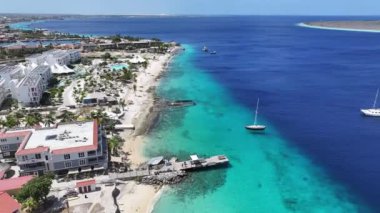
point(158, 166)
point(201, 163)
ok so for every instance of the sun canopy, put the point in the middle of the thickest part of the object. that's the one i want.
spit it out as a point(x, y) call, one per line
point(194, 157)
point(155, 161)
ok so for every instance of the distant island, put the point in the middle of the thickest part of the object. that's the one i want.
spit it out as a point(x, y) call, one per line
point(364, 26)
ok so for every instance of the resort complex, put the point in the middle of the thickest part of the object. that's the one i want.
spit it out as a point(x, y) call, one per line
point(72, 115)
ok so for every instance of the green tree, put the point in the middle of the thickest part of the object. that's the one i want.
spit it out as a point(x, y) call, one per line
point(33, 119)
point(11, 121)
point(30, 120)
point(38, 117)
point(20, 114)
point(116, 39)
point(49, 119)
point(35, 190)
point(114, 143)
point(100, 116)
point(67, 116)
point(29, 205)
point(122, 104)
point(106, 56)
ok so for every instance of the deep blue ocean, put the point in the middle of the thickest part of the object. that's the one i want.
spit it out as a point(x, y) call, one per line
point(311, 83)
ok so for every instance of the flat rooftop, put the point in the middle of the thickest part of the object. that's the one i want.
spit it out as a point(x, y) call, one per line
point(64, 136)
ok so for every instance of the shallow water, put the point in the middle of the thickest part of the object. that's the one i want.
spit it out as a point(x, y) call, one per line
point(266, 175)
point(311, 84)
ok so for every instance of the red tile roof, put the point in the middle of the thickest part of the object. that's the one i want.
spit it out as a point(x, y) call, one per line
point(14, 183)
point(8, 204)
point(14, 134)
point(86, 183)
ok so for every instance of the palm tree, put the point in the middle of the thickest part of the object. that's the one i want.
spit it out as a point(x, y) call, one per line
point(67, 116)
point(100, 116)
point(122, 104)
point(30, 120)
point(114, 143)
point(20, 114)
point(49, 119)
point(2, 122)
point(11, 121)
point(38, 117)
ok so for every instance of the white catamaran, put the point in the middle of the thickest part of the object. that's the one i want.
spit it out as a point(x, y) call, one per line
point(255, 126)
point(372, 112)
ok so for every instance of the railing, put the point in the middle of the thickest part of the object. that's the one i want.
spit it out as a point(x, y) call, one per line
point(30, 161)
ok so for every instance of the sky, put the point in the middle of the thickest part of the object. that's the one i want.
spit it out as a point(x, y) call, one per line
point(193, 7)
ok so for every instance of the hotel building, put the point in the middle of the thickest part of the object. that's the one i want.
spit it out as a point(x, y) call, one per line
point(65, 148)
point(55, 57)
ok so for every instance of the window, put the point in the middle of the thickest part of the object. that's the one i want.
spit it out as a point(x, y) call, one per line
point(82, 162)
point(81, 154)
point(66, 156)
point(91, 153)
point(67, 164)
point(4, 140)
point(4, 147)
point(46, 157)
point(38, 156)
point(24, 157)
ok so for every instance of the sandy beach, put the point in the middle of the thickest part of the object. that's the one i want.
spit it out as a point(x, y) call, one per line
point(139, 112)
point(358, 26)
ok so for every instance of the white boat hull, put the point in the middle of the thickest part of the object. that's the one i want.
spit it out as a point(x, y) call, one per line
point(371, 112)
point(256, 127)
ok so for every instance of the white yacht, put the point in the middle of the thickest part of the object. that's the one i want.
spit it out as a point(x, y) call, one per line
point(255, 126)
point(205, 49)
point(372, 112)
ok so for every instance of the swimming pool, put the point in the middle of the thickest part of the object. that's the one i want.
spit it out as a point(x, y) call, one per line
point(118, 67)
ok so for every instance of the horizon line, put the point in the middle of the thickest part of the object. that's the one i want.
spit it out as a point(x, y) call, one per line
point(163, 14)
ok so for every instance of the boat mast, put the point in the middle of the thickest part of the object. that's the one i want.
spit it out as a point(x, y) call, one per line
point(377, 94)
point(257, 109)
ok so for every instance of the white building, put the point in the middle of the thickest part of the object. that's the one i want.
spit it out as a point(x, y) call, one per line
point(10, 75)
point(29, 90)
point(65, 148)
point(55, 57)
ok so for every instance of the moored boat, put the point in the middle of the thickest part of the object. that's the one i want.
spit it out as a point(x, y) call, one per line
point(205, 49)
point(255, 126)
point(372, 112)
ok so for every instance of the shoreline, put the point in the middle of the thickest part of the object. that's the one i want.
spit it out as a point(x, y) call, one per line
point(142, 114)
point(306, 25)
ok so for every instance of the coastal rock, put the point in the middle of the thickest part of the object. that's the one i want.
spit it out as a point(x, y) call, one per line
point(164, 178)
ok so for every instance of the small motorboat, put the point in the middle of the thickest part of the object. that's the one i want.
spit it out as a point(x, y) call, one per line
point(255, 126)
point(213, 52)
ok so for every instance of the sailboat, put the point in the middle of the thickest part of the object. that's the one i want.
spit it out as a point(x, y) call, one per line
point(372, 112)
point(255, 126)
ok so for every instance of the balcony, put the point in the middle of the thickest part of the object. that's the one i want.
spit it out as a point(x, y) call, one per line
point(32, 167)
point(30, 161)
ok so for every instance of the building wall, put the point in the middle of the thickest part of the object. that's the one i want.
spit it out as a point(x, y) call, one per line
point(4, 91)
point(8, 146)
point(56, 163)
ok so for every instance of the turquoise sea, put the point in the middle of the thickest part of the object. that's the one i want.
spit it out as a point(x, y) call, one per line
point(317, 155)
point(266, 173)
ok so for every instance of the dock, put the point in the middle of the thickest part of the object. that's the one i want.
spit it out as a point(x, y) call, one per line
point(201, 163)
point(160, 169)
